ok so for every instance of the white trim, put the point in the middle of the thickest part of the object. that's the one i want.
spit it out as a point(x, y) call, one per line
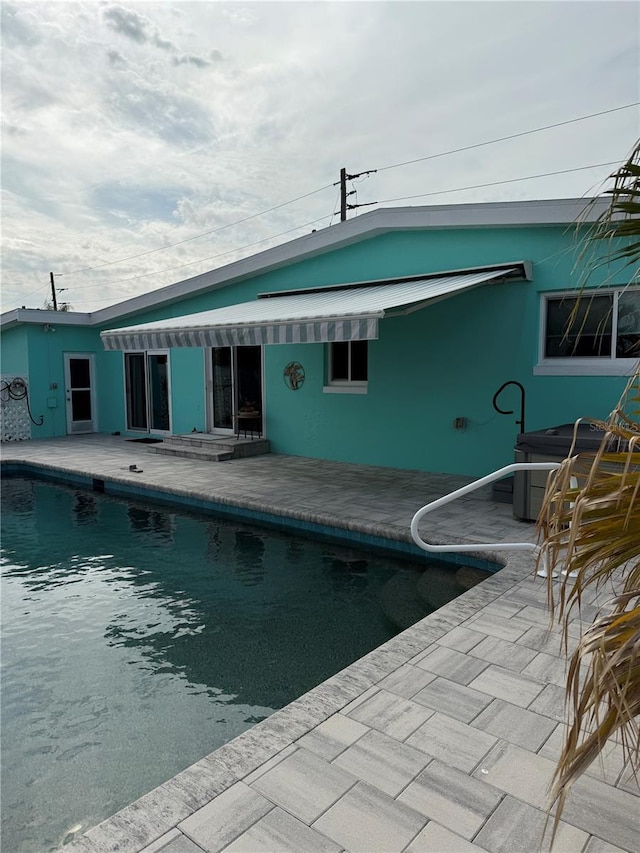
point(210, 410)
point(93, 397)
point(351, 388)
point(147, 386)
point(586, 367)
point(207, 389)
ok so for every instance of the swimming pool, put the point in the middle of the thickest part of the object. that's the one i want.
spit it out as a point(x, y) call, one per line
point(137, 639)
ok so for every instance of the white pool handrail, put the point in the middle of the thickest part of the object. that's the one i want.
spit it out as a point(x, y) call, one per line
point(471, 487)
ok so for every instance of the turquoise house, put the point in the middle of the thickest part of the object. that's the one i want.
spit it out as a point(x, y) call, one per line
point(381, 340)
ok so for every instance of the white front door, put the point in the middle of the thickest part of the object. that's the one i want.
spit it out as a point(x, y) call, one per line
point(79, 378)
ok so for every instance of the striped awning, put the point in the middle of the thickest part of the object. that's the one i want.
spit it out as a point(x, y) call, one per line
point(340, 313)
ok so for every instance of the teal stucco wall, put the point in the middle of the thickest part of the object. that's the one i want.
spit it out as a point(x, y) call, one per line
point(426, 369)
point(46, 373)
point(15, 352)
point(440, 363)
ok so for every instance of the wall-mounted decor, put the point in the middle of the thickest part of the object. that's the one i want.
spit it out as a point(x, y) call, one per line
point(293, 375)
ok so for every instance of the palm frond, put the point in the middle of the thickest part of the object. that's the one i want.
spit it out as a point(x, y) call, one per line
point(620, 222)
point(590, 525)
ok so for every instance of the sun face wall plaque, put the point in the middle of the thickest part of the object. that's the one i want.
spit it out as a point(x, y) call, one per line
point(293, 375)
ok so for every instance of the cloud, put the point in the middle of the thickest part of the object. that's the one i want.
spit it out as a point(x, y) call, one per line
point(107, 164)
point(190, 59)
point(115, 58)
point(16, 29)
point(137, 202)
point(128, 23)
point(136, 27)
point(163, 112)
point(163, 44)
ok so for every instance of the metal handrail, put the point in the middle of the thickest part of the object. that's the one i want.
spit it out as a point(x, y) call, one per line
point(510, 411)
point(471, 487)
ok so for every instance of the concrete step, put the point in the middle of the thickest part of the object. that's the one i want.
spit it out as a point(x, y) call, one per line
point(213, 448)
point(206, 454)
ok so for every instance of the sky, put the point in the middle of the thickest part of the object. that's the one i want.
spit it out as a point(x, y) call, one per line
point(147, 142)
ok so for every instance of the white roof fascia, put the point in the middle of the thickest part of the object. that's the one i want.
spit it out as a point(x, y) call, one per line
point(42, 317)
point(382, 220)
point(368, 225)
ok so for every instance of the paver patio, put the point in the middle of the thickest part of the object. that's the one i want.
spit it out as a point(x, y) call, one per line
point(441, 740)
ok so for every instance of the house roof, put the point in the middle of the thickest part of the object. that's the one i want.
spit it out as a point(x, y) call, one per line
point(380, 221)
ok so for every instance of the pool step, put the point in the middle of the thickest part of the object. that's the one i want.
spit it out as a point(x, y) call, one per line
point(440, 584)
point(210, 448)
point(399, 600)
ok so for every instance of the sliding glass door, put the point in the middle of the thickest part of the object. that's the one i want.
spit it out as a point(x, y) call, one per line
point(236, 383)
point(147, 391)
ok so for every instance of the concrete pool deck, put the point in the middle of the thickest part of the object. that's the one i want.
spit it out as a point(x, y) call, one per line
point(444, 739)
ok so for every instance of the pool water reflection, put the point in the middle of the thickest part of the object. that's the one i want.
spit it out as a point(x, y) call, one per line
point(137, 639)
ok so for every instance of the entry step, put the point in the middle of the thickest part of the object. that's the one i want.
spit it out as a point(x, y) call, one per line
point(209, 447)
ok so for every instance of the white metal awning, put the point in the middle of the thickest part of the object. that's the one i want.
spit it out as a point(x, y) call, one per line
point(340, 313)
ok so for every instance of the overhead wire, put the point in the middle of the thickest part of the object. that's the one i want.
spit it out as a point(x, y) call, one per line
point(497, 183)
point(210, 258)
point(320, 219)
point(320, 189)
point(196, 236)
point(506, 138)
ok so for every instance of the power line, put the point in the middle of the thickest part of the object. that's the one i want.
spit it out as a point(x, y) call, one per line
point(320, 189)
point(505, 138)
point(497, 183)
point(320, 219)
point(210, 258)
point(197, 236)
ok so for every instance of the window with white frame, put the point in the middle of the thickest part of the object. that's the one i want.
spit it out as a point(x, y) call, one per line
point(348, 365)
point(595, 332)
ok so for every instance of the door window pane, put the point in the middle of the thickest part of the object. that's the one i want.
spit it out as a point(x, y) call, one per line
point(159, 391)
point(249, 379)
point(136, 387)
point(79, 373)
point(222, 388)
point(81, 405)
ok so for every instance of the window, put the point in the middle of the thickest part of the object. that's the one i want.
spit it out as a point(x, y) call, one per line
point(595, 333)
point(348, 366)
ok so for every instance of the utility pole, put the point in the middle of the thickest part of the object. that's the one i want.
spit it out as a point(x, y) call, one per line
point(344, 177)
point(343, 194)
point(53, 292)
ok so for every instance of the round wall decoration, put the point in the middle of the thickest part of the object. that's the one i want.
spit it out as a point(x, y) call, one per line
point(293, 375)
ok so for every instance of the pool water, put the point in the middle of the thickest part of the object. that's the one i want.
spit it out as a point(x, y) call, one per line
point(137, 639)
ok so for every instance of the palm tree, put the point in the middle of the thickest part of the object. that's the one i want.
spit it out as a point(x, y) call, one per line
point(592, 529)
